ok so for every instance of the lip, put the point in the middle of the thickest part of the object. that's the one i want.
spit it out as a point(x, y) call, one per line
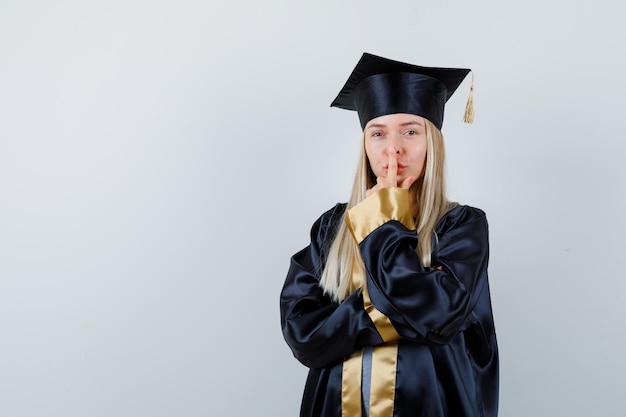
point(401, 167)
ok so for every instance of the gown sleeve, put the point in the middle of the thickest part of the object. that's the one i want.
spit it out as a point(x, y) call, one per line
point(318, 330)
point(425, 304)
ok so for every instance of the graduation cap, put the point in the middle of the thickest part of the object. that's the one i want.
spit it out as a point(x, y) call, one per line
point(380, 86)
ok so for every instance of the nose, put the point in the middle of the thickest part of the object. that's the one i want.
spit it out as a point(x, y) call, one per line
point(394, 144)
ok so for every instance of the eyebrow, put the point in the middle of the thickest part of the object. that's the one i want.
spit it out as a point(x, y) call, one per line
point(415, 122)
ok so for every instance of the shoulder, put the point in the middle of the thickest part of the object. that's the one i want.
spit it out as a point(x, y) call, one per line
point(463, 233)
point(326, 225)
point(461, 215)
point(334, 214)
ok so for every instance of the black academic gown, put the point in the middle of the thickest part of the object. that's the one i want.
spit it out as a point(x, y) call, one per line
point(447, 357)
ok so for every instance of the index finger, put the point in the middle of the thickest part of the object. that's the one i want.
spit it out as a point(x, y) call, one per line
point(392, 167)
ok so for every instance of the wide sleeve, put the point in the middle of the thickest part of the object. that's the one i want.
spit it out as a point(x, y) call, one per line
point(428, 305)
point(318, 330)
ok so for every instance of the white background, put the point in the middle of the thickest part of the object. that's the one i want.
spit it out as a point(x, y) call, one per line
point(160, 161)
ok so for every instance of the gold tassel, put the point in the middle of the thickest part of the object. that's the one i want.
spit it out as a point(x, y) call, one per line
point(469, 107)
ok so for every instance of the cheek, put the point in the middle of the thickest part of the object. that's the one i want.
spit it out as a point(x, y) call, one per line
point(423, 161)
point(374, 166)
point(419, 157)
point(376, 150)
point(423, 156)
point(372, 155)
point(420, 153)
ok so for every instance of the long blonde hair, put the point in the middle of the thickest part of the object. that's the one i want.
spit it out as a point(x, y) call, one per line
point(344, 255)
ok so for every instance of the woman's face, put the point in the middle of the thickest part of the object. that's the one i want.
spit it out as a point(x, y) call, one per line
point(403, 133)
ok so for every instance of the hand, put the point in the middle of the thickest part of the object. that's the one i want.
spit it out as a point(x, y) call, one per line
point(391, 180)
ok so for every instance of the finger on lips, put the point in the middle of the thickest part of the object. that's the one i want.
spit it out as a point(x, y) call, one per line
point(392, 169)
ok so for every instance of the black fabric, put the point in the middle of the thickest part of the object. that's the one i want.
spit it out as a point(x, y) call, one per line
point(447, 355)
point(379, 86)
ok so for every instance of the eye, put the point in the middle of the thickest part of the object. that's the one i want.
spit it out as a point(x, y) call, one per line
point(411, 132)
point(377, 134)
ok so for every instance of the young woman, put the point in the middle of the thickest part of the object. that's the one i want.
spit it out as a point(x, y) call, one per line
point(389, 305)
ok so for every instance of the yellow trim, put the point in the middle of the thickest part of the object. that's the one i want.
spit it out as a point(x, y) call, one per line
point(384, 361)
point(383, 324)
point(379, 208)
point(383, 385)
point(351, 385)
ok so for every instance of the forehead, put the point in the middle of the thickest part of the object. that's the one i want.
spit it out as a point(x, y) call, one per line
point(395, 119)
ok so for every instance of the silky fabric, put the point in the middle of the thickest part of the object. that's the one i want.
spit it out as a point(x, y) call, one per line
point(385, 204)
point(412, 93)
point(447, 357)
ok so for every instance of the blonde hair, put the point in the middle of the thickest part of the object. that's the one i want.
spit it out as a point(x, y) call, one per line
point(344, 256)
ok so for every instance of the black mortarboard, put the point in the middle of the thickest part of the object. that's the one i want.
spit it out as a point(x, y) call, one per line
point(380, 86)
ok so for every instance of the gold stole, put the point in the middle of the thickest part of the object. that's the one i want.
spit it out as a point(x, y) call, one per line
point(384, 361)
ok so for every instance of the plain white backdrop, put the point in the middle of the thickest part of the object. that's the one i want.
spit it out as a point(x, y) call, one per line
point(160, 161)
